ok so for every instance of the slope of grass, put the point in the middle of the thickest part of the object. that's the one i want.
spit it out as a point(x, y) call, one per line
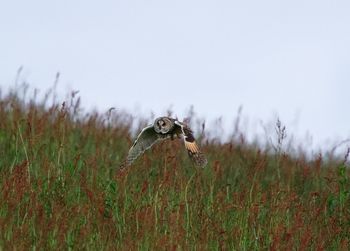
point(60, 189)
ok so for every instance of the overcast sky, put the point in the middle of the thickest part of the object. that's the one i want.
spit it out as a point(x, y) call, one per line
point(285, 58)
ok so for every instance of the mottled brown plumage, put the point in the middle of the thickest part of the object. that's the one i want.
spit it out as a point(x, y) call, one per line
point(164, 128)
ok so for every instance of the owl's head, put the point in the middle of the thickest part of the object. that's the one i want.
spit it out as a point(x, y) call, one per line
point(163, 125)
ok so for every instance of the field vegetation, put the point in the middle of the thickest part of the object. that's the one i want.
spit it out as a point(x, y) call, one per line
point(60, 188)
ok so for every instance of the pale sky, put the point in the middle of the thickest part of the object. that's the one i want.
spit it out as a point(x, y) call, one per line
point(285, 58)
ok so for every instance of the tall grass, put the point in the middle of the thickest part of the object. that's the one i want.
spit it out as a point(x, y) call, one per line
point(61, 189)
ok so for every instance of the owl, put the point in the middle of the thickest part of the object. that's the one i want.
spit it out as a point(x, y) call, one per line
point(165, 128)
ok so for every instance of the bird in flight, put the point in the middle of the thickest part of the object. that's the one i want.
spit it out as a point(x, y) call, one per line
point(165, 128)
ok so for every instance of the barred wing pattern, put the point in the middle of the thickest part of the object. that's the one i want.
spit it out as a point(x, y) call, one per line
point(144, 140)
point(193, 150)
point(163, 128)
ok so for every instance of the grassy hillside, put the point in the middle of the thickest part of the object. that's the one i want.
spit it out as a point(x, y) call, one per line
point(61, 189)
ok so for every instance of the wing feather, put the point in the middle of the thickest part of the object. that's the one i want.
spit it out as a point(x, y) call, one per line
point(190, 144)
point(146, 139)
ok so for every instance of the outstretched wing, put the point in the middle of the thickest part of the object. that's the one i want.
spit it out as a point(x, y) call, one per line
point(192, 148)
point(144, 140)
